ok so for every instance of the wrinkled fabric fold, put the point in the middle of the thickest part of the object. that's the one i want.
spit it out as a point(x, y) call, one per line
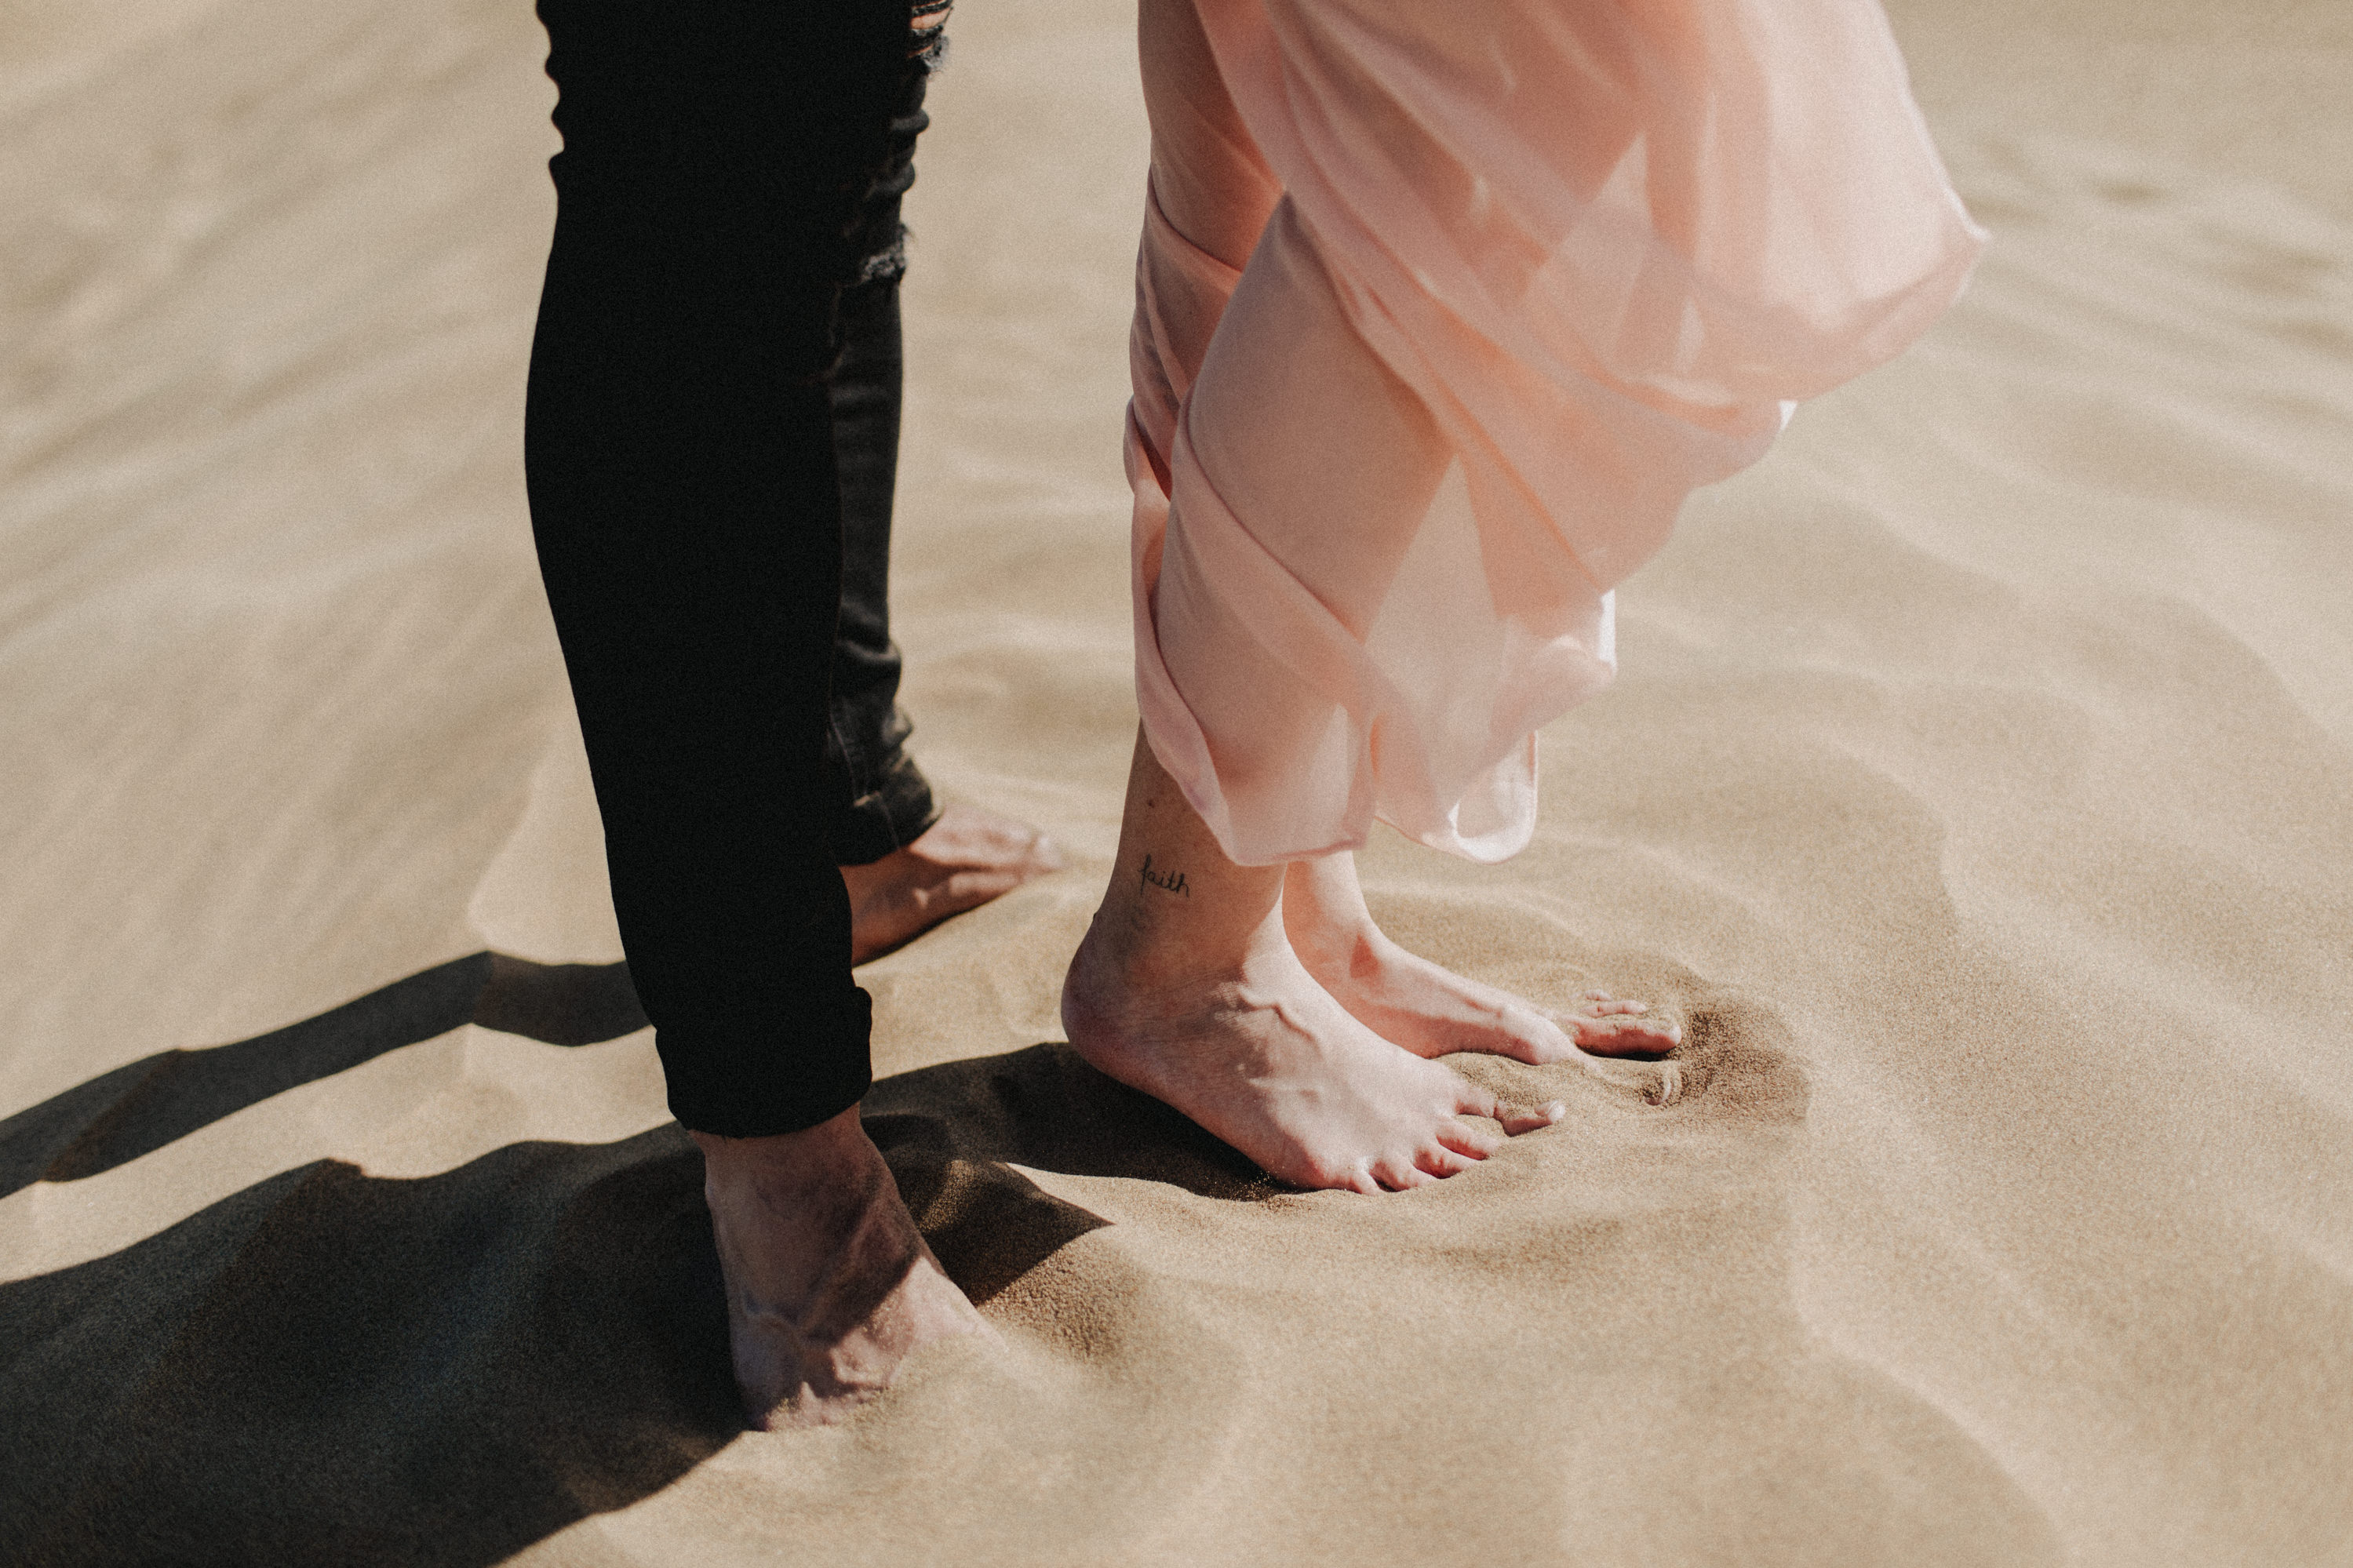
point(1515, 278)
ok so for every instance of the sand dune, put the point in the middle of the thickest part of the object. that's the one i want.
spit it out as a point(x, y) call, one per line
point(1978, 788)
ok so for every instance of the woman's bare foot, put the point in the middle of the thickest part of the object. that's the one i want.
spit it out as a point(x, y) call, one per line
point(1185, 987)
point(1433, 1012)
point(830, 1285)
point(961, 862)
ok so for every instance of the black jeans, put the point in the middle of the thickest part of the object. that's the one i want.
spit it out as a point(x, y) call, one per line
point(710, 441)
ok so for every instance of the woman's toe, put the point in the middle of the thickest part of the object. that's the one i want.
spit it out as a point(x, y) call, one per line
point(1469, 1142)
point(1437, 1160)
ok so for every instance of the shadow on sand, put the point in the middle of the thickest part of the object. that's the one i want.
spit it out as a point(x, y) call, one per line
point(138, 1107)
point(334, 1366)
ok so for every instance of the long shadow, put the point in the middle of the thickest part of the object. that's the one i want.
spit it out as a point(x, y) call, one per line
point(334, 1366)
point(137, 1108)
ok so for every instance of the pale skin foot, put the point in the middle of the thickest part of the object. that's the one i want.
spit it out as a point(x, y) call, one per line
point(829, 1286)
point(1186, 988)
point(1433, 1012)
point(961, 862)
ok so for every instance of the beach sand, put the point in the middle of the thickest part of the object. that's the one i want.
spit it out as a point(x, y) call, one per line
point(1977, 787)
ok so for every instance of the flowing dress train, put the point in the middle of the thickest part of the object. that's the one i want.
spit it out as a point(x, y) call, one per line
point(1442, 311)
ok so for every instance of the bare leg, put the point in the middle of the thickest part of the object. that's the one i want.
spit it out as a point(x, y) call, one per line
point(1432, 1011)
point(830, 1285)
point(1186, 988)
point(961, 862)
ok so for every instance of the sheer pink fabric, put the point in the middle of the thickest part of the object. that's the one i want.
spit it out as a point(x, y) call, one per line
point(1441, 310)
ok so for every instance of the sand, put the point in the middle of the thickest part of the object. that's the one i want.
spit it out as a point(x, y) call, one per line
point(1978, 788)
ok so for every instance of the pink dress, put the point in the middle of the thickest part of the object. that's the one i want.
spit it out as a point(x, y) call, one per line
point(1442, 311)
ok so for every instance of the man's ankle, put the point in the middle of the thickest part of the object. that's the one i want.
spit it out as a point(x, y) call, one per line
point(814, 1155)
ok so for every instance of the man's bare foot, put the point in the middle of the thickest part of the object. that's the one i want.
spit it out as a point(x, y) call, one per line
point(1431, 1011)
point(830, 1285)
point(963, 860)
point(1185, 987)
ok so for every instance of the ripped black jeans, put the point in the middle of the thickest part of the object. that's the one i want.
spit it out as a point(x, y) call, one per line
point(710, 443)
